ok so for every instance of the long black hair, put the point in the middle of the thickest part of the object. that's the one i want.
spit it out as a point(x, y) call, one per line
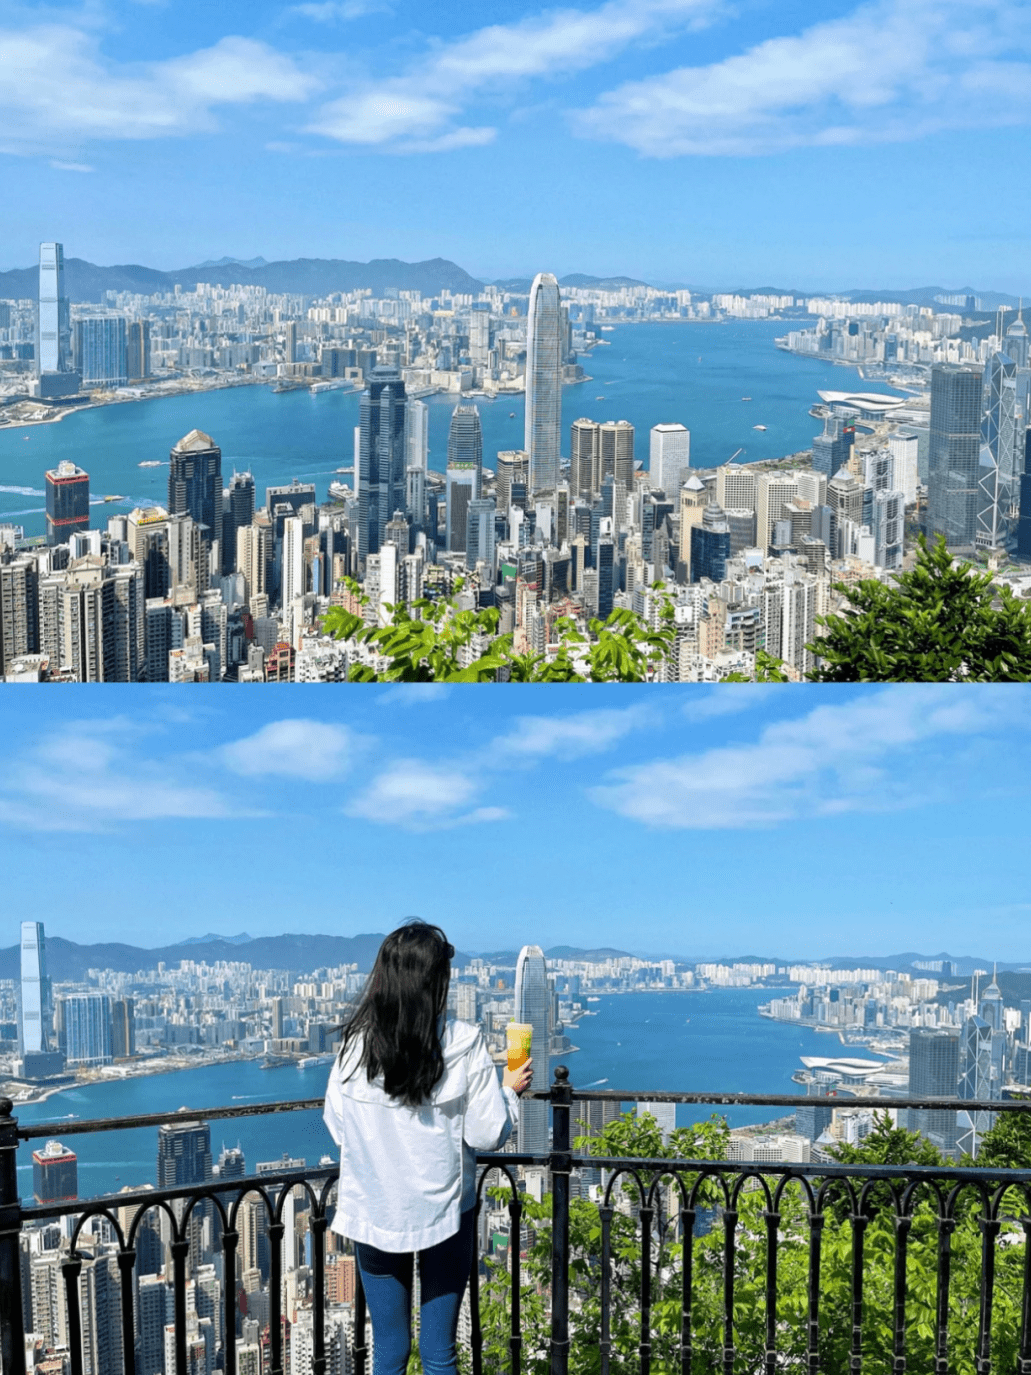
point(398, 1017)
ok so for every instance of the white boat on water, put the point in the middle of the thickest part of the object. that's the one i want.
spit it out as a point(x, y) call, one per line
point(150, 463)
point(758, 427)
point(313, 1061)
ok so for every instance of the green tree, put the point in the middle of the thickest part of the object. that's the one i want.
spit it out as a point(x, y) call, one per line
point(425, 644)
point(936, 624)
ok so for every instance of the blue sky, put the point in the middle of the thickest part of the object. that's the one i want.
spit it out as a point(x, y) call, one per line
point(717, 142)
point(801, 822)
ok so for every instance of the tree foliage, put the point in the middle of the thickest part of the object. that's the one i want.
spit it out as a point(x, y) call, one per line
point(879, 1208)
point(430, 642)
point(938, 623)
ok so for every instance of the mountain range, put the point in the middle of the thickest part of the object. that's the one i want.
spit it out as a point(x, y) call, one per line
point(87, 282)
point(69, 961)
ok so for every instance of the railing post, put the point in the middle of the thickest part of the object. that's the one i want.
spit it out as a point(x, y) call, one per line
point(12, 1332)
point(561, 1165)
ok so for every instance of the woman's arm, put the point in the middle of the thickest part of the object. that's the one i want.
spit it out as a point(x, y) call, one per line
point(490, 1113)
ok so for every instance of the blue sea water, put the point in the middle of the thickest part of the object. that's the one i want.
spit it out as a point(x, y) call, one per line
point(649, 374)
point(712, 1041)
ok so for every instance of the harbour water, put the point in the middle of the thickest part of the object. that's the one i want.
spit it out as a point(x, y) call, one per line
point(664, 1041)
point(649, 374)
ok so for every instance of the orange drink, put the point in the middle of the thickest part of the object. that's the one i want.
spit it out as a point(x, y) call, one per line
point(519, 1036)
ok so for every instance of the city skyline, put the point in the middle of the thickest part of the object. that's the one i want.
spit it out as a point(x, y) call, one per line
point(716, 114)
point(749, 809)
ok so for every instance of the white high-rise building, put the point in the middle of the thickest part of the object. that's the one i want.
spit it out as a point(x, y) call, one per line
point(544, 382)
point(903, 448)
point(533, 1005)
point(669, 457)
point(417, 421)
point(293, 559)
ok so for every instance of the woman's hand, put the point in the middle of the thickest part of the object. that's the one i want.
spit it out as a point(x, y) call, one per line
point(519, 1079)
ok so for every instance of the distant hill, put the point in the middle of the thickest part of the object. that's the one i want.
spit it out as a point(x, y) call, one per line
point(68, 962)
point(581, 279)
point(301, 276)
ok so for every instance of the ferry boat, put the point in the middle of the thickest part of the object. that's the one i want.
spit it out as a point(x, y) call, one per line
point(746, 398)
point(594, 1000)
point(758, 427)
point(311, 1061)
point(150, 463)
point(608, 329)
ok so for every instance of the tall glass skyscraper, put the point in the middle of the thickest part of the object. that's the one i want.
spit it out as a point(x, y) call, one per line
point(53, 322)
point(67, 502)
point(381, 457)
point(35, 1008)
point(533, 1004)
point(544, 382)
point(1001, 454)
point(954, 453)
point(195, 482)
point(464, 472)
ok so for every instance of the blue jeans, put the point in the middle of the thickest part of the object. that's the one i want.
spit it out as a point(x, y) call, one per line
point(387, 1280)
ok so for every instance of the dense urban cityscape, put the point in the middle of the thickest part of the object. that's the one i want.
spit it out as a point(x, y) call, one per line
point(934, 1035)
point(213, 586)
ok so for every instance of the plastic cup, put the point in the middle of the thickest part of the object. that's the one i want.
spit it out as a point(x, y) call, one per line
point(519, 1036)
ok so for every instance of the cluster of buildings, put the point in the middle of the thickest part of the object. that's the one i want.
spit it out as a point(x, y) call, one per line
point(931, 1046)
point(937, 1046)
point(215, 586)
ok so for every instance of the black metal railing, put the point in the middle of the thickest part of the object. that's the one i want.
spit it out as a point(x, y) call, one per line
point(702, 1230)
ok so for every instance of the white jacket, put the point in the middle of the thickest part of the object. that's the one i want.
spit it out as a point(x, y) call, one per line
point(408, 1174)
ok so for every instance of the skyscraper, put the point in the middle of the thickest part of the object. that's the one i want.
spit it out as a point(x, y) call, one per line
point(137, 350)
point(381, 457)
point(53, 326)
point(934, 1073)
point(67, 502)
point(465, 438)
point(85, 1024)
point(237, 511)
point(533, 1005)
point(710, 545)
point(1001, 454)
point(585, 468)
point(184, 1154)
point(195, 483)
point(954, 453)
point(1024, 523)
point(669, 457)
point(19, 607)
point(35, 1005)
point(616, 451)
point(100, 350)
point(479, 538)
point(543, 382)
point(464, 472)
point(55, 1174)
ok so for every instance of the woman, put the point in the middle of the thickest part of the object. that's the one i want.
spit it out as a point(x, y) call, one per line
point(411, 1099)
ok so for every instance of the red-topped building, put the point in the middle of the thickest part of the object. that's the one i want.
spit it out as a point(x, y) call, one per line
point(55, 1173)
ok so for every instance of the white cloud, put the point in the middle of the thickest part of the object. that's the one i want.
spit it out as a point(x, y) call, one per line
point(890, 71)
point(57, 88)
point(70, 166)
point(857, 755)
point(418, 111)
point(567, 737)
point(729, 699)
point(93, 776)
point(421, 796)
point(336, 11)
point(314, 750)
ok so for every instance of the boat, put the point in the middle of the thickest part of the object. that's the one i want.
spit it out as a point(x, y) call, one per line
point(599, 398)
point(114, 498)
point(746, 398)
point(594, 1000)
point(758, 427)
point(511, 415)
point(311, 1061)
point(349, 469)
point(150, 463)
point(608, 329)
